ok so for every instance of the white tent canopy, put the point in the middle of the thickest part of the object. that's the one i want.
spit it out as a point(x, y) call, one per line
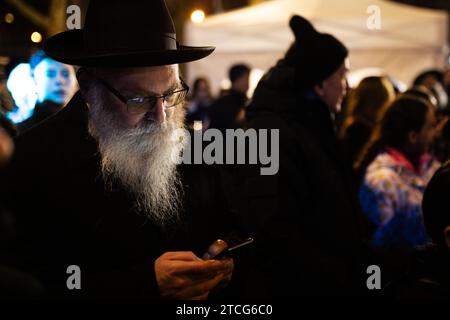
point(410, 39)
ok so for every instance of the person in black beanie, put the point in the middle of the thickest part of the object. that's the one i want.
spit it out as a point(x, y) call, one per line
point(305, 219)
point(320, 63)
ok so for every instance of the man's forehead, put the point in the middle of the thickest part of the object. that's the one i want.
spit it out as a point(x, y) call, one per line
point(146, 80)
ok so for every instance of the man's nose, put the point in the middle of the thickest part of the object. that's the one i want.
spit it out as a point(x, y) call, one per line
point(159, 112)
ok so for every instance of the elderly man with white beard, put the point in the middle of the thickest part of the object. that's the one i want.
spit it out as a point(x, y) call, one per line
point(108, 212)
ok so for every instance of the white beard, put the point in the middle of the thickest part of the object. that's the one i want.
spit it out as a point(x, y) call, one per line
point(142, 159)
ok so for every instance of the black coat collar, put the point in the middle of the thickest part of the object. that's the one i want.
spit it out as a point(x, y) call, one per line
point(79, 147)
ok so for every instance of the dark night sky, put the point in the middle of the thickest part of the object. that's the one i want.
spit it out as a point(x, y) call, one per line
point(15, 37)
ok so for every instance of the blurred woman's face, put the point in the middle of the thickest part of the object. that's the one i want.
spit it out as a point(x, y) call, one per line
point(55, 81)
point(203, 91)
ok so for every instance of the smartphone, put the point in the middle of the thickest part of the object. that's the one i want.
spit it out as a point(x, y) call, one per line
point(232, 248)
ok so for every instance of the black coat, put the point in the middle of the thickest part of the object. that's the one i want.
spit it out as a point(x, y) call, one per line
point(64, 215)
point(306, 218)
point(427, 276)
point(42, 111)
point(224, 112)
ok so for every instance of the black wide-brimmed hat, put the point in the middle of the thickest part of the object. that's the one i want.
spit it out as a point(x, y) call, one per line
point(123, 33)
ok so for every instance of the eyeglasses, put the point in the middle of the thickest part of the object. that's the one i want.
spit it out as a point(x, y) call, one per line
point(140, 105)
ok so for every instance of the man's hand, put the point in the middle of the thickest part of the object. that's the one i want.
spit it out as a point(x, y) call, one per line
point(184, 276)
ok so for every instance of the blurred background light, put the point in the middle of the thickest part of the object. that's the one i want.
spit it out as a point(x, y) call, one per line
point(36, 37)
point(9, 18)
point(23, 91)
point(198, 16)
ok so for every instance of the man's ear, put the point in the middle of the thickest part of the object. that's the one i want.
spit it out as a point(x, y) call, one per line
point(319, 89)
point(447, 236)
point(84, 79)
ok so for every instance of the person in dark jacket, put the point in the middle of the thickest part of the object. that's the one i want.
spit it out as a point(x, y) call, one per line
point(55, 85)
point(107, 211)
point(305, 219)
point(199, 103)
point(13, 283)
point(227, 112)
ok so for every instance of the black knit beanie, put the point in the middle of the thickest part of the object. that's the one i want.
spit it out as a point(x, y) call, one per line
point(315, 55)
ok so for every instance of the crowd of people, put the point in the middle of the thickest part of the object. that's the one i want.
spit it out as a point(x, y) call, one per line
point(91, 181)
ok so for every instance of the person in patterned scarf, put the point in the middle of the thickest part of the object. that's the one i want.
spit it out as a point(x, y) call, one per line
point(396, 169)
